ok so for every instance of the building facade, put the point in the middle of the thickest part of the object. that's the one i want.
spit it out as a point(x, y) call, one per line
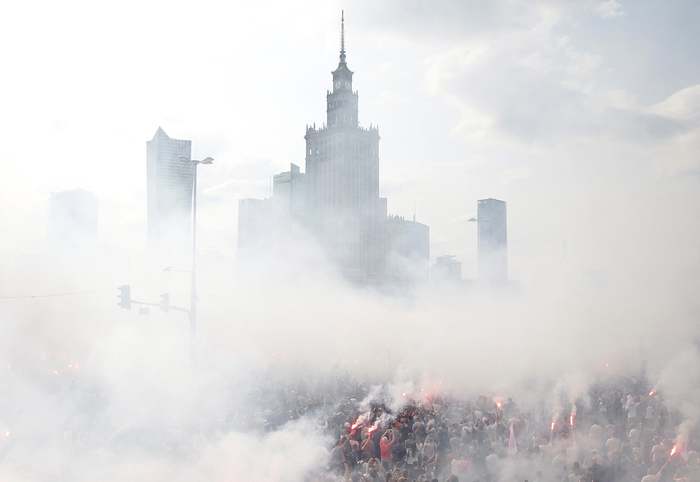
point(336, 200)
point(288, 191)
point(408, 250)
point(342, 182)
point(492, 241)
point(170, 174)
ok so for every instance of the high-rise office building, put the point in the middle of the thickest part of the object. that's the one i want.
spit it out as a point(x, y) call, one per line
point(264, 222)
point(72, 223)
point(288, 193)
point(170, 176)
point(336, 200)
point(408, 249)
point(342, 181)
point(492, 241)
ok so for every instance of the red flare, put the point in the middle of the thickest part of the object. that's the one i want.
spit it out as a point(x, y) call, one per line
point(674, 450)
point(572, 416)
point(359, 422)
point(551, 433)
point(652, 392)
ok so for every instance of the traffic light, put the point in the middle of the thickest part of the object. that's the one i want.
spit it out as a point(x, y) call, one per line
point(165, 302)
point(124, 297)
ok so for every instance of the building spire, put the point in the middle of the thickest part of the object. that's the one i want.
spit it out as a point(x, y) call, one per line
point(342, 36)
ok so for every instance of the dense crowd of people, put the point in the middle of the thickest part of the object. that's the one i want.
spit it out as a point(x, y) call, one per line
point(622, 431)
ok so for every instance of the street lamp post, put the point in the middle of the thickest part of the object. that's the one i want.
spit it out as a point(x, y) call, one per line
point(193, 287)
point(125, 300)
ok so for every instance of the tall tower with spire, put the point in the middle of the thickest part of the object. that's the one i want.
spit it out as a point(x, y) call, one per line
point(342, 180)
point(342, 101)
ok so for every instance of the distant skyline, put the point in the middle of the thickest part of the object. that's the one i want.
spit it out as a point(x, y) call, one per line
point(593, 104)
point(565, 131)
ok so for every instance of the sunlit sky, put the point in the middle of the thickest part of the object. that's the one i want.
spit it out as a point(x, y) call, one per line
point(583, 116)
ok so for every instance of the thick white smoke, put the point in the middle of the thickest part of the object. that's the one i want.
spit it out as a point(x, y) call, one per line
point(98, 392)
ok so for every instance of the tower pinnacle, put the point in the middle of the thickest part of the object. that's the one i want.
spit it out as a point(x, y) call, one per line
point(342, 102)
point(342, 36)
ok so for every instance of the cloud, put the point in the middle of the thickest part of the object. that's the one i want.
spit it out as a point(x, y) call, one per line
point(536, 72)
point(610, 9)
point(535, 84)
point(683, 105)
point(449, 18)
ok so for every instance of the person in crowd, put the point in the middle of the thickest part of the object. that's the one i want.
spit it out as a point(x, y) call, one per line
point(386, 444)
point(623, 433)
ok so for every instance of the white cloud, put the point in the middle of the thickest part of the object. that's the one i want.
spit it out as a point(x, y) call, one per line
point(683, 105)
point(610, 9)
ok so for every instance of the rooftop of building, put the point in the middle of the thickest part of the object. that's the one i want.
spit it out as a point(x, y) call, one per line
point(491, 200)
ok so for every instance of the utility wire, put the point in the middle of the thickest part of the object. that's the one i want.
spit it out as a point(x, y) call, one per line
point(51, 295)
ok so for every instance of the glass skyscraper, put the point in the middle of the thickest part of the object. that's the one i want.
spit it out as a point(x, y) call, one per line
point(170, 176)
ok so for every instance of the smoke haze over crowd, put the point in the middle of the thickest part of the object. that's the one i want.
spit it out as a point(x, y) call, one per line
point(584, 117)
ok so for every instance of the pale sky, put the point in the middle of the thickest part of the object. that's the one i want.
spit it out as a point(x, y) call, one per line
point(584, 116)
